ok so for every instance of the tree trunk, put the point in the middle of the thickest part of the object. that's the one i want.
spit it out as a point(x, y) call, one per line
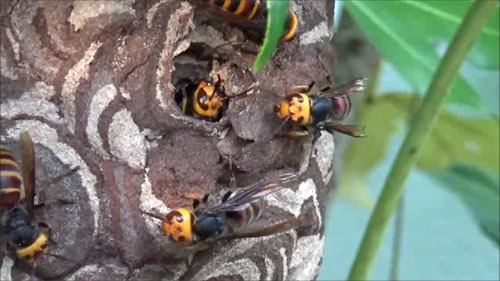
point(94, 83)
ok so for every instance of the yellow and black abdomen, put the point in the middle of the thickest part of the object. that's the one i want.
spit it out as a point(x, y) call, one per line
point(254, 9)
point(291, 27)
point(10, 180)
point(248, 9)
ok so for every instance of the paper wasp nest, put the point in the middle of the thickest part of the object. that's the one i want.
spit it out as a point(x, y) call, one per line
point(95, 82)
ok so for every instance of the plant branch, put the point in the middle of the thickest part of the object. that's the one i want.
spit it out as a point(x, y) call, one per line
point(373, 83)
point(397, 242)
point(475, 19)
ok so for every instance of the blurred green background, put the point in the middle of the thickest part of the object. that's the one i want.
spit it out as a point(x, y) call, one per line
point(449, 222)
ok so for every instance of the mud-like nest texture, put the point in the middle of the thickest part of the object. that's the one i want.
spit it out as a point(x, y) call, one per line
point(95, 84)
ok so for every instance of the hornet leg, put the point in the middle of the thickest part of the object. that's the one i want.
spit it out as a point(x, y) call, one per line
point(300, 89)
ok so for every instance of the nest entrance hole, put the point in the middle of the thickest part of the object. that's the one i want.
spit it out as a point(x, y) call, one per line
point(192, 66)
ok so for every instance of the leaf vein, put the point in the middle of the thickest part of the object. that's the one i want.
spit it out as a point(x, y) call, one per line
point(445, 15)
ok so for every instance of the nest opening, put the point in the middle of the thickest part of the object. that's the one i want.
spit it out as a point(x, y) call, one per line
point(193, 74)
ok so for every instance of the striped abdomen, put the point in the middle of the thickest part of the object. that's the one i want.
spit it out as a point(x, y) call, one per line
point(341, 106)
point(10, 180)
point(246, 216)
point(251, 9)
point(291, 26)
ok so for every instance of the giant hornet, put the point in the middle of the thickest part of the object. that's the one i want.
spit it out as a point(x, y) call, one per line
point(25, 239)
point(205, 100)
point(253, 10)
point(230, 219)
point(321, 110)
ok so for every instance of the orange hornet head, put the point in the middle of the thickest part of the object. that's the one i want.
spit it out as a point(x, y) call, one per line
point(207, 102)
point(281, 109)
point(178, 224)
point(297, 107)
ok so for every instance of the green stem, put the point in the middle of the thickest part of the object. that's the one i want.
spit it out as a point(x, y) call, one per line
point(425, 117)
point(397, 242)
point(373, 83)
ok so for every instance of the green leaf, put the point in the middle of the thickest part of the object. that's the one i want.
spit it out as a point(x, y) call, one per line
point(479, 189)
point(383, 118)
point(406, 33)
point(277, 12)
point(453, 139)
point(445, 19)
